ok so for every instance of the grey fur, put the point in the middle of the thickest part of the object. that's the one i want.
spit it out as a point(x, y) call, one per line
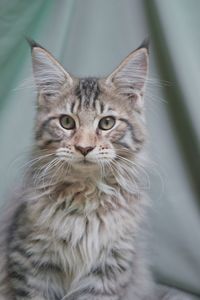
point(88, 91)
point(75, 231)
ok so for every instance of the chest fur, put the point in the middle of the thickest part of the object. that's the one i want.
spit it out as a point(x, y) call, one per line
point(81, 226)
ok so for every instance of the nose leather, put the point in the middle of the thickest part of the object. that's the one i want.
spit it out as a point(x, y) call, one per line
point(84, 150)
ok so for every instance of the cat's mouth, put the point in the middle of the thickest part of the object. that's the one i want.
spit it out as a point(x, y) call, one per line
point(92, 169)
point(87, 162)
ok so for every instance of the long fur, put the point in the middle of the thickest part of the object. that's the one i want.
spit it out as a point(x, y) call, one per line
point(75, 226)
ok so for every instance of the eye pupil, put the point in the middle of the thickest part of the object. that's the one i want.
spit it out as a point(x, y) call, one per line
point(67, 122)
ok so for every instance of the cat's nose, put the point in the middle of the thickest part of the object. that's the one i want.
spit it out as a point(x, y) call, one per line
point(84, 150)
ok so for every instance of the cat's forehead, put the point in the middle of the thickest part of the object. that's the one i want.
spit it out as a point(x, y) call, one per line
point(87, 91)
point(89, 98)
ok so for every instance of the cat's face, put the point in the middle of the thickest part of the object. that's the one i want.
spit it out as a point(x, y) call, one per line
point(90, 123)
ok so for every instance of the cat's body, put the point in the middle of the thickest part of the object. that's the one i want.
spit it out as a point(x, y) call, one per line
point(93, 252)
point(75, 233)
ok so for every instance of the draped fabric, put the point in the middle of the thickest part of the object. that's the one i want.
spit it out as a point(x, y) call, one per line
point(91, 37)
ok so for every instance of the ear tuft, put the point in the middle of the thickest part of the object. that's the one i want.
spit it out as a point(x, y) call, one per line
point(145, 44)
point(33, 43)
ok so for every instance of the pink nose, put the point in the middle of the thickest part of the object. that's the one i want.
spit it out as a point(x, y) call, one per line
point(84, 150)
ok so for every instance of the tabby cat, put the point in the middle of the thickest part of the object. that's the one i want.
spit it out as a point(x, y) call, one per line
point(74, 234)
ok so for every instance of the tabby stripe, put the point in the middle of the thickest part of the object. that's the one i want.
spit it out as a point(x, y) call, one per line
point(88, 292)
point(49, 142)
point(45, 267)
point(87, 91)
point(18, 249)
point(17, 275)
point(21, 293)
point(109, 271)
point(102, 107)
point(39, 132)
point(72, 107)
point(78, 92)
point(96, 94)
point(19, 268)
point(130, 126)
point(125, 145)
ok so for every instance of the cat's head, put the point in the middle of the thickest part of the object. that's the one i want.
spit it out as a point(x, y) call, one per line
point(90, 123)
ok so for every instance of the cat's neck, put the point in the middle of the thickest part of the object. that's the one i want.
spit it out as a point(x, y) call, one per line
point(83, 190)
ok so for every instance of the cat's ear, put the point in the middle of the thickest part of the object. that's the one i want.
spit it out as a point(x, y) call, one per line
point(130, 76)
point(49, 75)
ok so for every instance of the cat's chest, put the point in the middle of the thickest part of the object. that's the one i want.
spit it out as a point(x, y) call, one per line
point(86, 215)
point(83, 241)
point(82, 225)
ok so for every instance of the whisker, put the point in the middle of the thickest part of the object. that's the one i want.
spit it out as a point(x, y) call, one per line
point(42, 172)
point(136, 166)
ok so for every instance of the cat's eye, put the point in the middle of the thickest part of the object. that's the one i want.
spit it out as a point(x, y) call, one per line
point(106, 123)
point(67, 122)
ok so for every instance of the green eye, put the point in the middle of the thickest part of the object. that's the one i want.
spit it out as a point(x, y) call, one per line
point(106, 123)
point(67, 122)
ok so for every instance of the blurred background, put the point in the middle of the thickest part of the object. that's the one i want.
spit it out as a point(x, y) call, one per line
point(91, 37)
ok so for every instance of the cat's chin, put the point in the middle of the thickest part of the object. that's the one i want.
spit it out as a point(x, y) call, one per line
point(85, 165)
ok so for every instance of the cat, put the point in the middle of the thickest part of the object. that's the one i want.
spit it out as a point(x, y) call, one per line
point(75, 231)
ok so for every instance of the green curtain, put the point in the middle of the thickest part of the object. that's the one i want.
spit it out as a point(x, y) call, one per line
point(91, 37)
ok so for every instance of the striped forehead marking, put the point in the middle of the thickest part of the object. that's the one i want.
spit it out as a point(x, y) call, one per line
point(87, 91)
